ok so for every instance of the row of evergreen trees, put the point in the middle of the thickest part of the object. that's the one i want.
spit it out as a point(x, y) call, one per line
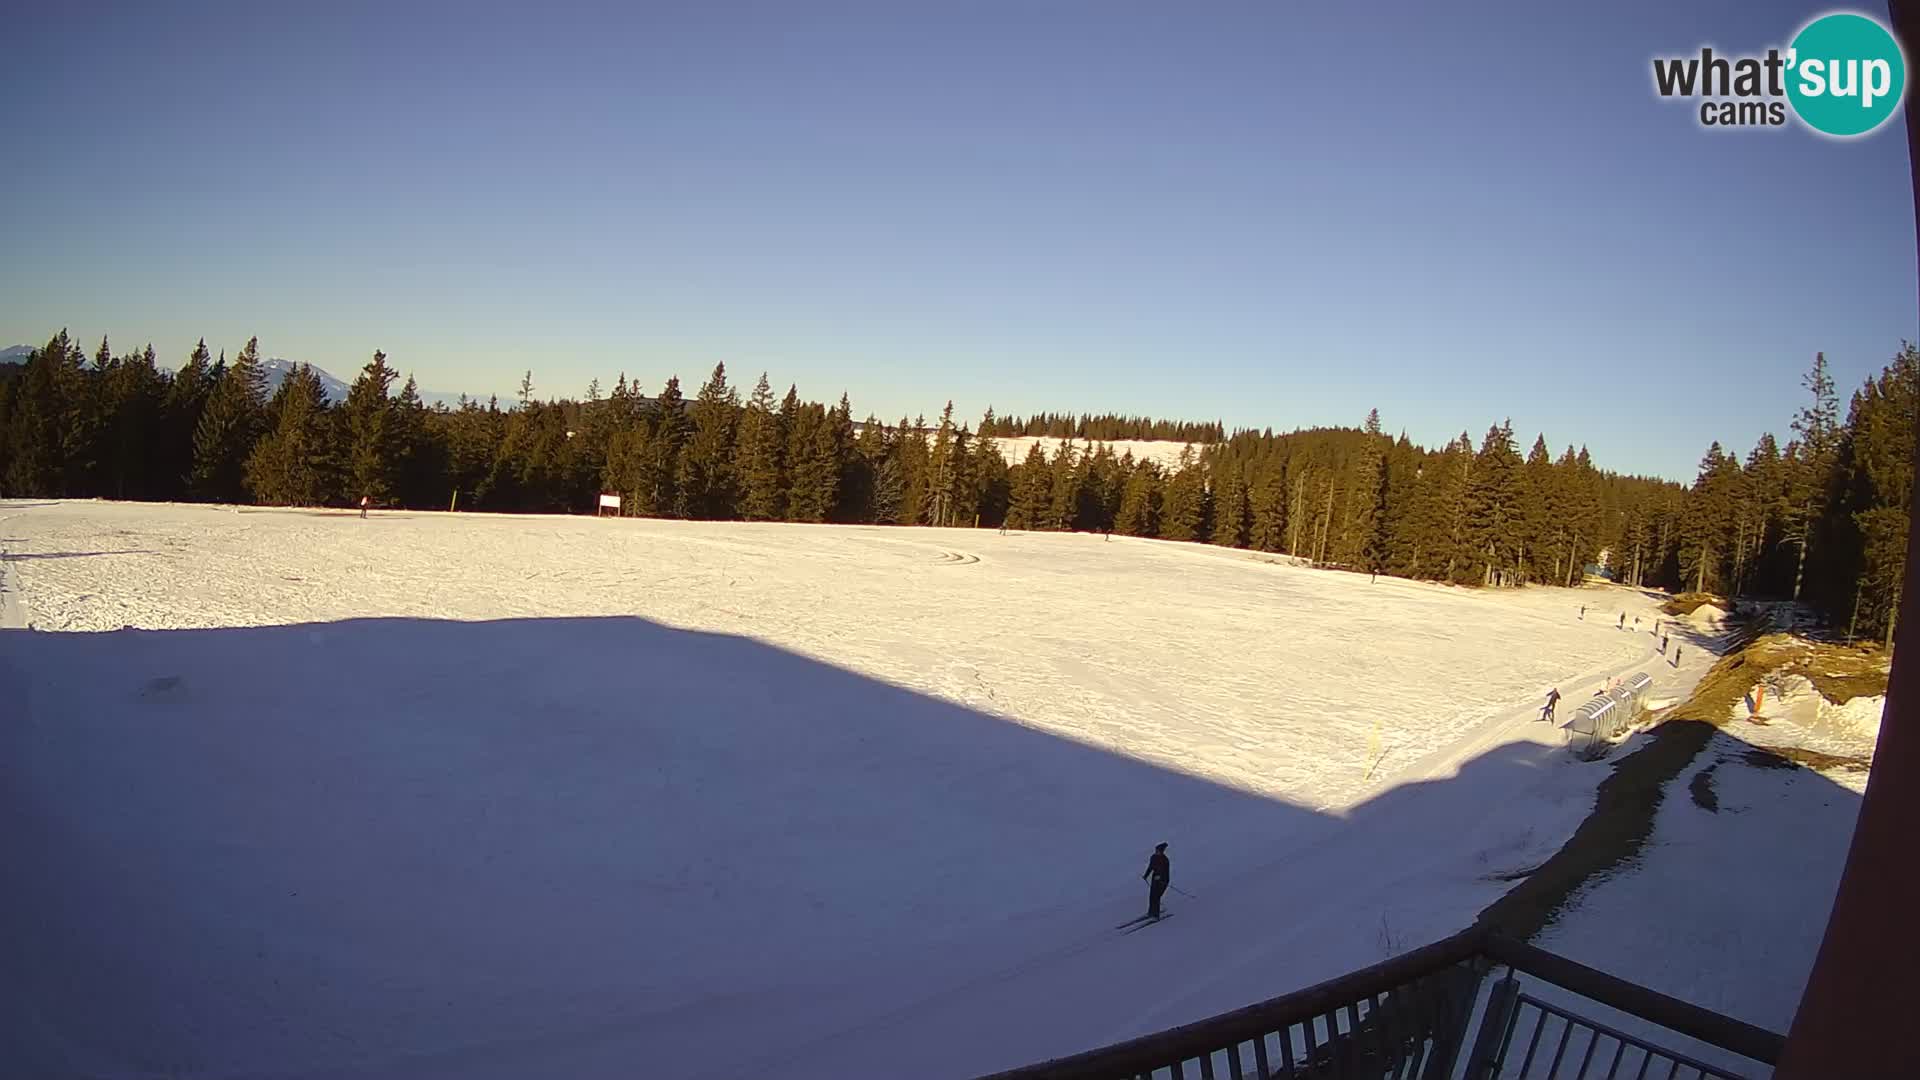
point(1108, 427)
point(1823, 518)
point(122, 427)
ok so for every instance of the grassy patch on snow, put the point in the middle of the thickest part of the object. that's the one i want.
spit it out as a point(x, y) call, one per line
point(1840, 672)
point(1626, 802)
point(1622, 819)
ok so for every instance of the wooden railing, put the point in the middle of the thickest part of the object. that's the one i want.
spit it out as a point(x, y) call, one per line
point(1409, 1018)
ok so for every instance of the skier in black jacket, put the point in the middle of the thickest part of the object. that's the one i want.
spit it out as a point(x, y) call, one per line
point(1159, 873)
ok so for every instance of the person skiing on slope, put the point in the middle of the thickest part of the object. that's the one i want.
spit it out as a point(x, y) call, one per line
point(1553, 698)
point(1159, 873)
point(364, 500)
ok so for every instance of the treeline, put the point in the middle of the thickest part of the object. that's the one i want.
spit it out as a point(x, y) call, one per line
point(1822, 518)
point(1105, 428)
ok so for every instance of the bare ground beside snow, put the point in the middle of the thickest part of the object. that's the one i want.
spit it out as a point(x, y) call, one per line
point(1726, 902)
point(492, 796)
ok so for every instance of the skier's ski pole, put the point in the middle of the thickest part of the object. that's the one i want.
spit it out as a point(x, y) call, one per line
point(1182, 891)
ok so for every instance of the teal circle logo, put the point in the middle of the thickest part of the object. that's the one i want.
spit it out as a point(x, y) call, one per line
point(1845, 74)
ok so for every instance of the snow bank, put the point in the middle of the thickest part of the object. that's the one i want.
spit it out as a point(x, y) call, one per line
point(1860, 717)
point(1786, 710)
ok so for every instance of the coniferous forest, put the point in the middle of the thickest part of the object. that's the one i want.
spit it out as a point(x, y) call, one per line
point(1822, 517)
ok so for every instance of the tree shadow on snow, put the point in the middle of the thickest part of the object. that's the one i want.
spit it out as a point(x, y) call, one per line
point(408, 847)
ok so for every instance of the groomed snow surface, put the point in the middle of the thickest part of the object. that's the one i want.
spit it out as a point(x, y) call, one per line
point(293, 794)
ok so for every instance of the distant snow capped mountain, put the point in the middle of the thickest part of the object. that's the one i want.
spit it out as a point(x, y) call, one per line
point(278, 368)
point(15, 354)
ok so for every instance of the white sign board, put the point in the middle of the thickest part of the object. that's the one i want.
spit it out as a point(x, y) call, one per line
point(610, 501)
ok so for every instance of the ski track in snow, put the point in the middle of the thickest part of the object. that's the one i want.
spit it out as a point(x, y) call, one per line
point(669, 845)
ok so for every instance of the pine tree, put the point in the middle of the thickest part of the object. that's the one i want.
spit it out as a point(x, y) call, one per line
point(1539, 499)
point(659, 488)
point(851, 481)
point(1363, 494)
point(1769, 489)
point(964, 510)
point(1454, 554)
point(758, 454)
point(1398, 496)
point(1493, 500)
point(860, 481)
point(1140, 502)
point(705, 475)
point(1233, 519)
point(185, 399)
point(889, 491)
point(134, 394)
point(1183, 510)
point(417, 481)
point(789, 409)
point(36, 464)
point(85, 416)
point(815, 450)
point(943, 476)
point(910, 456)
point(1818, 428)
point(1268, 529)
point(372, 455)
point(291, 465)
point(1877, 500)
point(7, 379)
point(989, 474)
point(1703, 550)
point(627, 472)
point(1032, 491)
point(228, 426)
point(1101, 489)
point(1063, 503)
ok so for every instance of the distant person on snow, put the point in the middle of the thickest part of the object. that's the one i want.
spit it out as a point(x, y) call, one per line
point(1553, 698)
point(1623, 620)
point(1159, 873)
point(364, 501)
point(1583, 612)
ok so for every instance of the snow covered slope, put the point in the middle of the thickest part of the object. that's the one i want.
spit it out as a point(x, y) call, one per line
point(1163, 452)
point(431, 795)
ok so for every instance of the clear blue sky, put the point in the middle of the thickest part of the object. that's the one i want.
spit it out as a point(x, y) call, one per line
point(1260, 212)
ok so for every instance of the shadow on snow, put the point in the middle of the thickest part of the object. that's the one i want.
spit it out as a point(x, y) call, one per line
point(417, 847)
